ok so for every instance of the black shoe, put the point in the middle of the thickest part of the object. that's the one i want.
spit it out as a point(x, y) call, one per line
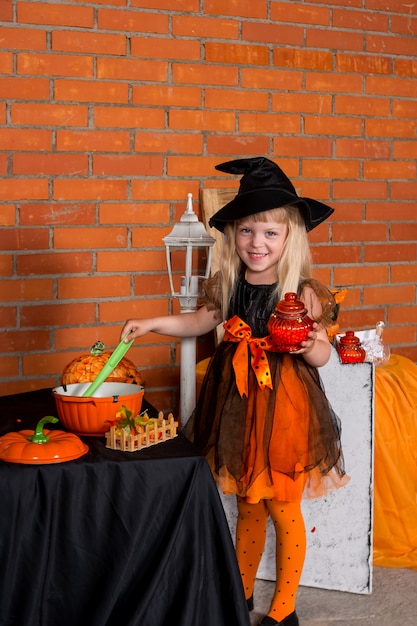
point(249, 602)
point(290, 620)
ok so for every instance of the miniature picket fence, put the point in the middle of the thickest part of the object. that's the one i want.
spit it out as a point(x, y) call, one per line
point(161, 430)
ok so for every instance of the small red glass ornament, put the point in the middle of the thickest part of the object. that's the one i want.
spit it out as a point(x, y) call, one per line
point(350, 348)
point(289, 324)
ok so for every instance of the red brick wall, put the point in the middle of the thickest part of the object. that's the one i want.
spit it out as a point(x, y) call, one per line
point(112, 111)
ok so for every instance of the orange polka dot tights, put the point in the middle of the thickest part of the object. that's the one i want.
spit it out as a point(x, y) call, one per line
point(290, 549)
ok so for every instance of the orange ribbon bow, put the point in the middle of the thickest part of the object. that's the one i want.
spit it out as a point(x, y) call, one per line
point(237, 330)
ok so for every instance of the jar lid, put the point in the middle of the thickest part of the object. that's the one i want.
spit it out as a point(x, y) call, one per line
point(349, 339)
point(290, 306)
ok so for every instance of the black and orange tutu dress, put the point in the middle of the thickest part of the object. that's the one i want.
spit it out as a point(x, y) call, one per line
point(262, 419)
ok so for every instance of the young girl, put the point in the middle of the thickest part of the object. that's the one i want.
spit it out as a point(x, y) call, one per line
point(262, 419)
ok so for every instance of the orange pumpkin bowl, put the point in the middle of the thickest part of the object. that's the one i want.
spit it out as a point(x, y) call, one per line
point(91, 415)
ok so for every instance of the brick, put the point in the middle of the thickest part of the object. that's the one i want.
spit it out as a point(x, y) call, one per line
point(303, 146)
point(49, 114)
point(282, 34)
point(7, 215)
point(292, 103)
point(239, 54)
point(91, 91)
point(137, 261)
point(385, 86)
point(161, 189)
point(33, 38)
point(359, 232)
point(405, 25)
point(294, 12)
point(89, 238)
point(238, 8)
point(134, 214)
point(88, 42)
point(403, 191)
point(390, 252)
point(168, 5)
point(184, 166)
point(21, 386)
point(332, 125)
point(406, 231)
point(6, 11)
point(336, 40)
point(359, 20)
point(93, 140)
point(30, 290)
point(132, 21)
point(362, 275)
point(54, 65)
point(360, 319)
point(331, 83)
point(92, 189)
point(121, 311)
point(391, 128)
point(3, 157)
point(84, 337)
point(160, 48)
point(405, 67)
point(132, 69)
point(148, 237)
point(258, 78)
point(25, 139)
point(154, 95)
point(361, 189)
point(364, 64)
point(385, 169)
point(15, 88)
point(303, 59)
point(362, 105)
point(201, 120)
point(169, 142)
point(406, 273)
point(384, 44)
point(240, 144)
point(54, 263)
point(55, 14)
point(405, 149)
point(402, 314)
point(392, 6)
point(8, 317)
point(387, 211)
point(151, 285)
point(199, 74)
point(330, 168)
point(336, 254)
point(363, 149)
point(50, 214)
point(20, 189)
point(52, 315)
point(85, 287)
point(6, 265)
point(204, 27)
point(404, 108)
point(22, 341)
point(52, 164)
point(128, 117)
point(6, 63)
point(269, 123)
point(127, 165)
point(389, 294)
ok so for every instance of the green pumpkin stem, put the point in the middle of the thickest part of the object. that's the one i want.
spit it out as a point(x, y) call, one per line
point(97, 348)
point(39, 436)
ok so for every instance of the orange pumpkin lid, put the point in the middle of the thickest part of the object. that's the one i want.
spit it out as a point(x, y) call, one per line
point(41, 446)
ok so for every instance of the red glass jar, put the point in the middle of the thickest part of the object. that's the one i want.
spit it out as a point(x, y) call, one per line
point(289, 324)
point(350, 348)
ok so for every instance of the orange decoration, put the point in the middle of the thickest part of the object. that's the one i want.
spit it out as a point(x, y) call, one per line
point(85, 368)
point(41, 446)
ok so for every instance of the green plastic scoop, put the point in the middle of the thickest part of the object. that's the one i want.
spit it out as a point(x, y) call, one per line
point(108, 367)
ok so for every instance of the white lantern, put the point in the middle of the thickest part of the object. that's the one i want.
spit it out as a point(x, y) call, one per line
point(189, 239)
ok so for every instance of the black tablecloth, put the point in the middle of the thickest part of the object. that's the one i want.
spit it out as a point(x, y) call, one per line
point(112, 538)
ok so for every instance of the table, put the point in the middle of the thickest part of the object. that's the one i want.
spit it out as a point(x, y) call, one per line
point(113, 538)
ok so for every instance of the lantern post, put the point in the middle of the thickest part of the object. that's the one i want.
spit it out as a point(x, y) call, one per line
point(189, 238)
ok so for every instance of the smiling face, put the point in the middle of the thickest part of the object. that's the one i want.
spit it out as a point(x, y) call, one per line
point(260, 245)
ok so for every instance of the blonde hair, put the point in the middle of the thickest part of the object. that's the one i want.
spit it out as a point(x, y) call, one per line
point(294, 265)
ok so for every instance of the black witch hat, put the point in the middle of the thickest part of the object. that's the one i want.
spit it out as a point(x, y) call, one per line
point(263, 187)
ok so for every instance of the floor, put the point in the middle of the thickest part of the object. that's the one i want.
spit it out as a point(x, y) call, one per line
point(393, 602)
